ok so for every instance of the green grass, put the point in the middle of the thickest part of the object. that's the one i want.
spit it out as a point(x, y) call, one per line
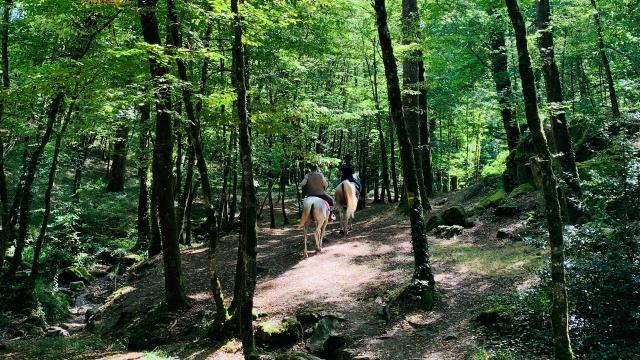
point(482, 354)
point(510, 260)
point(64, 348)
point(158, 355)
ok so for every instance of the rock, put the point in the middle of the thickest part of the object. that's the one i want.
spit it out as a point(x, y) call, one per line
point(503, 234)
point(74, 273)
point(450, 336)
point(434, 221)
point(57, 331)
point(442, 201)
point(99, 270)
point(522, 189)
point(73, 327)
point(492, 200)
point(325, 329)
point(119, 257)
point(296, 355)
point(449, 231)
point(455, 215)
point(499, 318)
point(307, 317)
point(278, 333)
point(77, 286)
point(506, 211)
point(33, 330)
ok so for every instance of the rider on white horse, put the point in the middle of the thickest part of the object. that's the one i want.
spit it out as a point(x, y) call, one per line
point(315, 184)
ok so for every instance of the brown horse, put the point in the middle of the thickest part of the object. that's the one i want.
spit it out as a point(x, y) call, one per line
point(346, 204)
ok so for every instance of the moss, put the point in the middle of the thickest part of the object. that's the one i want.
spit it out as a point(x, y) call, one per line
point(522, 189)
point(455, 215)
point(492, 200)
point(434, 221)
point(278, 333)
point(75, 273)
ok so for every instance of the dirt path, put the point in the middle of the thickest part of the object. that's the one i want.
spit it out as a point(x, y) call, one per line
point(352, 275)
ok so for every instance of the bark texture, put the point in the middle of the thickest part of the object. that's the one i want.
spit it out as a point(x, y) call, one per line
point(559, 309)
point(163, 171)
point(557, 114)
point(422, 270)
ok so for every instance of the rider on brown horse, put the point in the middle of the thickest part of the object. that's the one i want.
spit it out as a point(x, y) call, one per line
point(315, 184)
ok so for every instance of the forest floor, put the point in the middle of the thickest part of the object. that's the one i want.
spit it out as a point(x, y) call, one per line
point(352, 278)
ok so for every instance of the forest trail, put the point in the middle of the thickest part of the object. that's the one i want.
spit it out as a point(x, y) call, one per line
point(352, 278)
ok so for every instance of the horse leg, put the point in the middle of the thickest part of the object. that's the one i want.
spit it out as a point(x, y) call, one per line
point(324, 227)
point(317, 235)
point(342, 226)
point(306, 254)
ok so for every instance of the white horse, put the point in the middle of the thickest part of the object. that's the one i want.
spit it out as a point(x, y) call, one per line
point(317, 210)
point(346, 205)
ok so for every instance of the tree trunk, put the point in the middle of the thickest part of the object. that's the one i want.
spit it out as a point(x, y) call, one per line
point(25, 190)
point(392, 155)
point(381, 138)
point(186, 193)
point(410, 84)
point(163, 171)
point(615, 109)
point(194, 133)
point(283, 193)
point(423, 277)
point(4, 214)
point(80, 160)
point(425, 134)
point(557, 113)
point(500, 72)
point(559, 310)
point(247, 248)
point(144, 231)
point(47, 194)
point(119, 160)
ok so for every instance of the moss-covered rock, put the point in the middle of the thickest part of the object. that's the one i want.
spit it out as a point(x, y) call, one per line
point(492, 200)
point(74, 273)
point(522, 189)
point(278, 333)
point(499, 318)
point(77, 286)
point(455, 216)
point(434, 221)
point(326, 338)
point(449, 231)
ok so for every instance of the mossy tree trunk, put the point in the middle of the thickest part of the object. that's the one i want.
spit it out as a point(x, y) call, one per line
point(35, 266)
point(143, 227)
point(247, 248)
point(25, 190)
point(4, 207)
point(411, 84)
point(559, 309)
point(163, 170)
point(615, 108)
point(423, 277)
point(194, 134)
point(118, 159)
point(557, 113)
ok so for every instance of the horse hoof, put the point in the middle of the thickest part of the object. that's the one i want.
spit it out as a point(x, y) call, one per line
point(306, 255)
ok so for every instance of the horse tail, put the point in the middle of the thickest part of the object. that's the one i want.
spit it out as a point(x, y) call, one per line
point(308, 206)
point(349, 194)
